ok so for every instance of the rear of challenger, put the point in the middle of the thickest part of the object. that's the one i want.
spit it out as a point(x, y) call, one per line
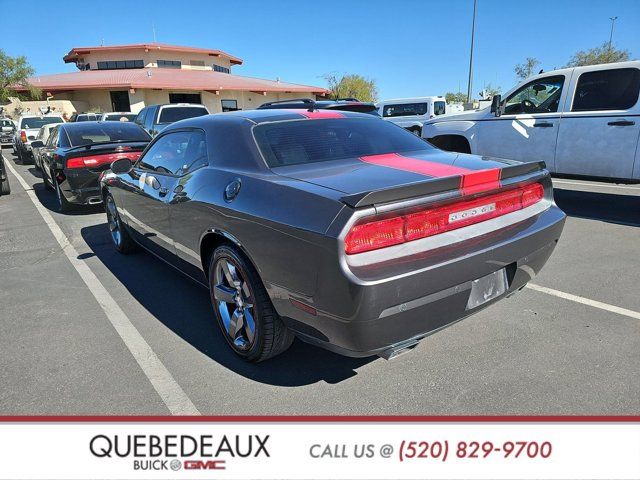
point(423, 238)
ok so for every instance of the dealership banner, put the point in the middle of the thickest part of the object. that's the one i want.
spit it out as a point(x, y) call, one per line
point(311, 448)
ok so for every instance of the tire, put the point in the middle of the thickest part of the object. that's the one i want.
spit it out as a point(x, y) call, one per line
point(416, 131)
point(64, 206)
point(5, 188)
point(270, 336)
point(120, 237)
point(19, 160)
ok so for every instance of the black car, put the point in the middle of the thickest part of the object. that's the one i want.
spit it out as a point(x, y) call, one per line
point(339, 228)
point(5, 188)
point(77, 153)
point(344, 104)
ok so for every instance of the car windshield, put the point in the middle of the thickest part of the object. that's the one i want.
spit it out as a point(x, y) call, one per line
point(120, 117)
point(174, 114)
point(88, 133)
point(38, 122)
point(311, 141)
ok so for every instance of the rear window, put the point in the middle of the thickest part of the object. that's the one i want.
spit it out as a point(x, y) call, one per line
point(38, 122)
point(615, 89)
point(405, 109)
point(312, 141)
point(87, 118)
point(174, 114)
point(88, 133)
point(127, 117)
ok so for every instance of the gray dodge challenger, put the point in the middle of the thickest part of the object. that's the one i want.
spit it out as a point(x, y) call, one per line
point(338, 228)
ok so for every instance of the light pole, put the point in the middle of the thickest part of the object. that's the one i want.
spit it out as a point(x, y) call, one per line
point(613, 21)
point(473, 31)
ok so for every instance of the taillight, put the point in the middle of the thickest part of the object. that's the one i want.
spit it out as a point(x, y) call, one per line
point(100, 160)
point(375, 234)
point(23, 136)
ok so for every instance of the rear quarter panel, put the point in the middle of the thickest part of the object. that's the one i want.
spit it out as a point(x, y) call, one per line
point(278, 226)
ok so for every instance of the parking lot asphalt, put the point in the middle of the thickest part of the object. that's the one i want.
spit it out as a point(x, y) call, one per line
point(84, 330)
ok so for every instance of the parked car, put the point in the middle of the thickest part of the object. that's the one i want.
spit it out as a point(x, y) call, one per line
point(344, 104)
point(84, 117)
point(582, 121)
point(7, 129)
point(117, 117)
point(42, 136)
point(28, 128)
point(155, 118)
point(411, 113)
point(5, 188)
point(77, 153)
point(346, 231)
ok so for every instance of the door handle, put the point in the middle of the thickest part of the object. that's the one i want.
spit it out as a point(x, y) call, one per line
point(543, 124)
point(622, 123)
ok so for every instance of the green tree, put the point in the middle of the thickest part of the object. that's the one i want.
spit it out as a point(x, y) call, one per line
point(352, 86)
point(601, 54)
point(14, 72)
point(526, 69)
point(459, 97)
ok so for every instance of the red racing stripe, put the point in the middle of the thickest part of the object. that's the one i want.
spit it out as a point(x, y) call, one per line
point(471, 181)
point(322, 114)
point(480, 181)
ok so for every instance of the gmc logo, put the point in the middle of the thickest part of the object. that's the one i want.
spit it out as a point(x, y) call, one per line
point(208, 465)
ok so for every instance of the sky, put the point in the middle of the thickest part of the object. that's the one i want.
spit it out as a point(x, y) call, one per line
point(409, 47)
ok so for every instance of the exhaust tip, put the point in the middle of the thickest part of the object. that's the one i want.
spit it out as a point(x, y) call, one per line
point(398, 350)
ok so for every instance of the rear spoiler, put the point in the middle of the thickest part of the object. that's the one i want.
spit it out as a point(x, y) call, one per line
point(430, 187)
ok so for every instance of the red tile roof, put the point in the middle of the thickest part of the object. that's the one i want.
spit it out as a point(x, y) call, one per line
point(163, 78)
point(75, 52)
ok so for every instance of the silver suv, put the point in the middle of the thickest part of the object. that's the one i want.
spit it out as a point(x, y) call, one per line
point(155, 118)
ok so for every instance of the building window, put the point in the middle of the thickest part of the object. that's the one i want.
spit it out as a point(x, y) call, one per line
point(169, 64)
point(196, 63)
point(120, 64)
point(218, 68)
point(229, 105)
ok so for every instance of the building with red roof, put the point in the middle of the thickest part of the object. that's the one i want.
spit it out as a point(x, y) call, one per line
point(129, 77)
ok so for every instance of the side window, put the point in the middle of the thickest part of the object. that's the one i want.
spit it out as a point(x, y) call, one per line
point(405, 109)
point(149, 119)
point(196, 153)
point(615, 89)
point(539, 96)
point(167, 155)
point(439, 108)
point(140, 117)
point(53, 137)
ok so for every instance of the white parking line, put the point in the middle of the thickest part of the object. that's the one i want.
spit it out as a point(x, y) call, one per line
point(585, 301)
point(163, 382)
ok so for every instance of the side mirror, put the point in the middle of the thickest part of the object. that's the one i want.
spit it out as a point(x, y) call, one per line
point(496, 107)
point(37, 144)
point(121, 166)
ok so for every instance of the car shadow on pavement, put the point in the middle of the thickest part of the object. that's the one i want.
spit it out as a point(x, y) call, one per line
point(49, 200)
point(184, 307)
point(611, 208)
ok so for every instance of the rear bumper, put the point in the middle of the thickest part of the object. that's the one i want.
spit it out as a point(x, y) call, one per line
point(81, 187)
point(374, 311)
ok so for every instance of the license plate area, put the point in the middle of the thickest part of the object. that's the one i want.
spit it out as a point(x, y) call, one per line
point(487, 288)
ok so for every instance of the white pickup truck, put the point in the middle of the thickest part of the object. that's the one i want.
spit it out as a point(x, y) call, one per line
point(582, 121)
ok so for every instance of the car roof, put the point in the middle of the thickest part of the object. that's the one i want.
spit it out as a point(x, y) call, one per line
point(267, 116)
